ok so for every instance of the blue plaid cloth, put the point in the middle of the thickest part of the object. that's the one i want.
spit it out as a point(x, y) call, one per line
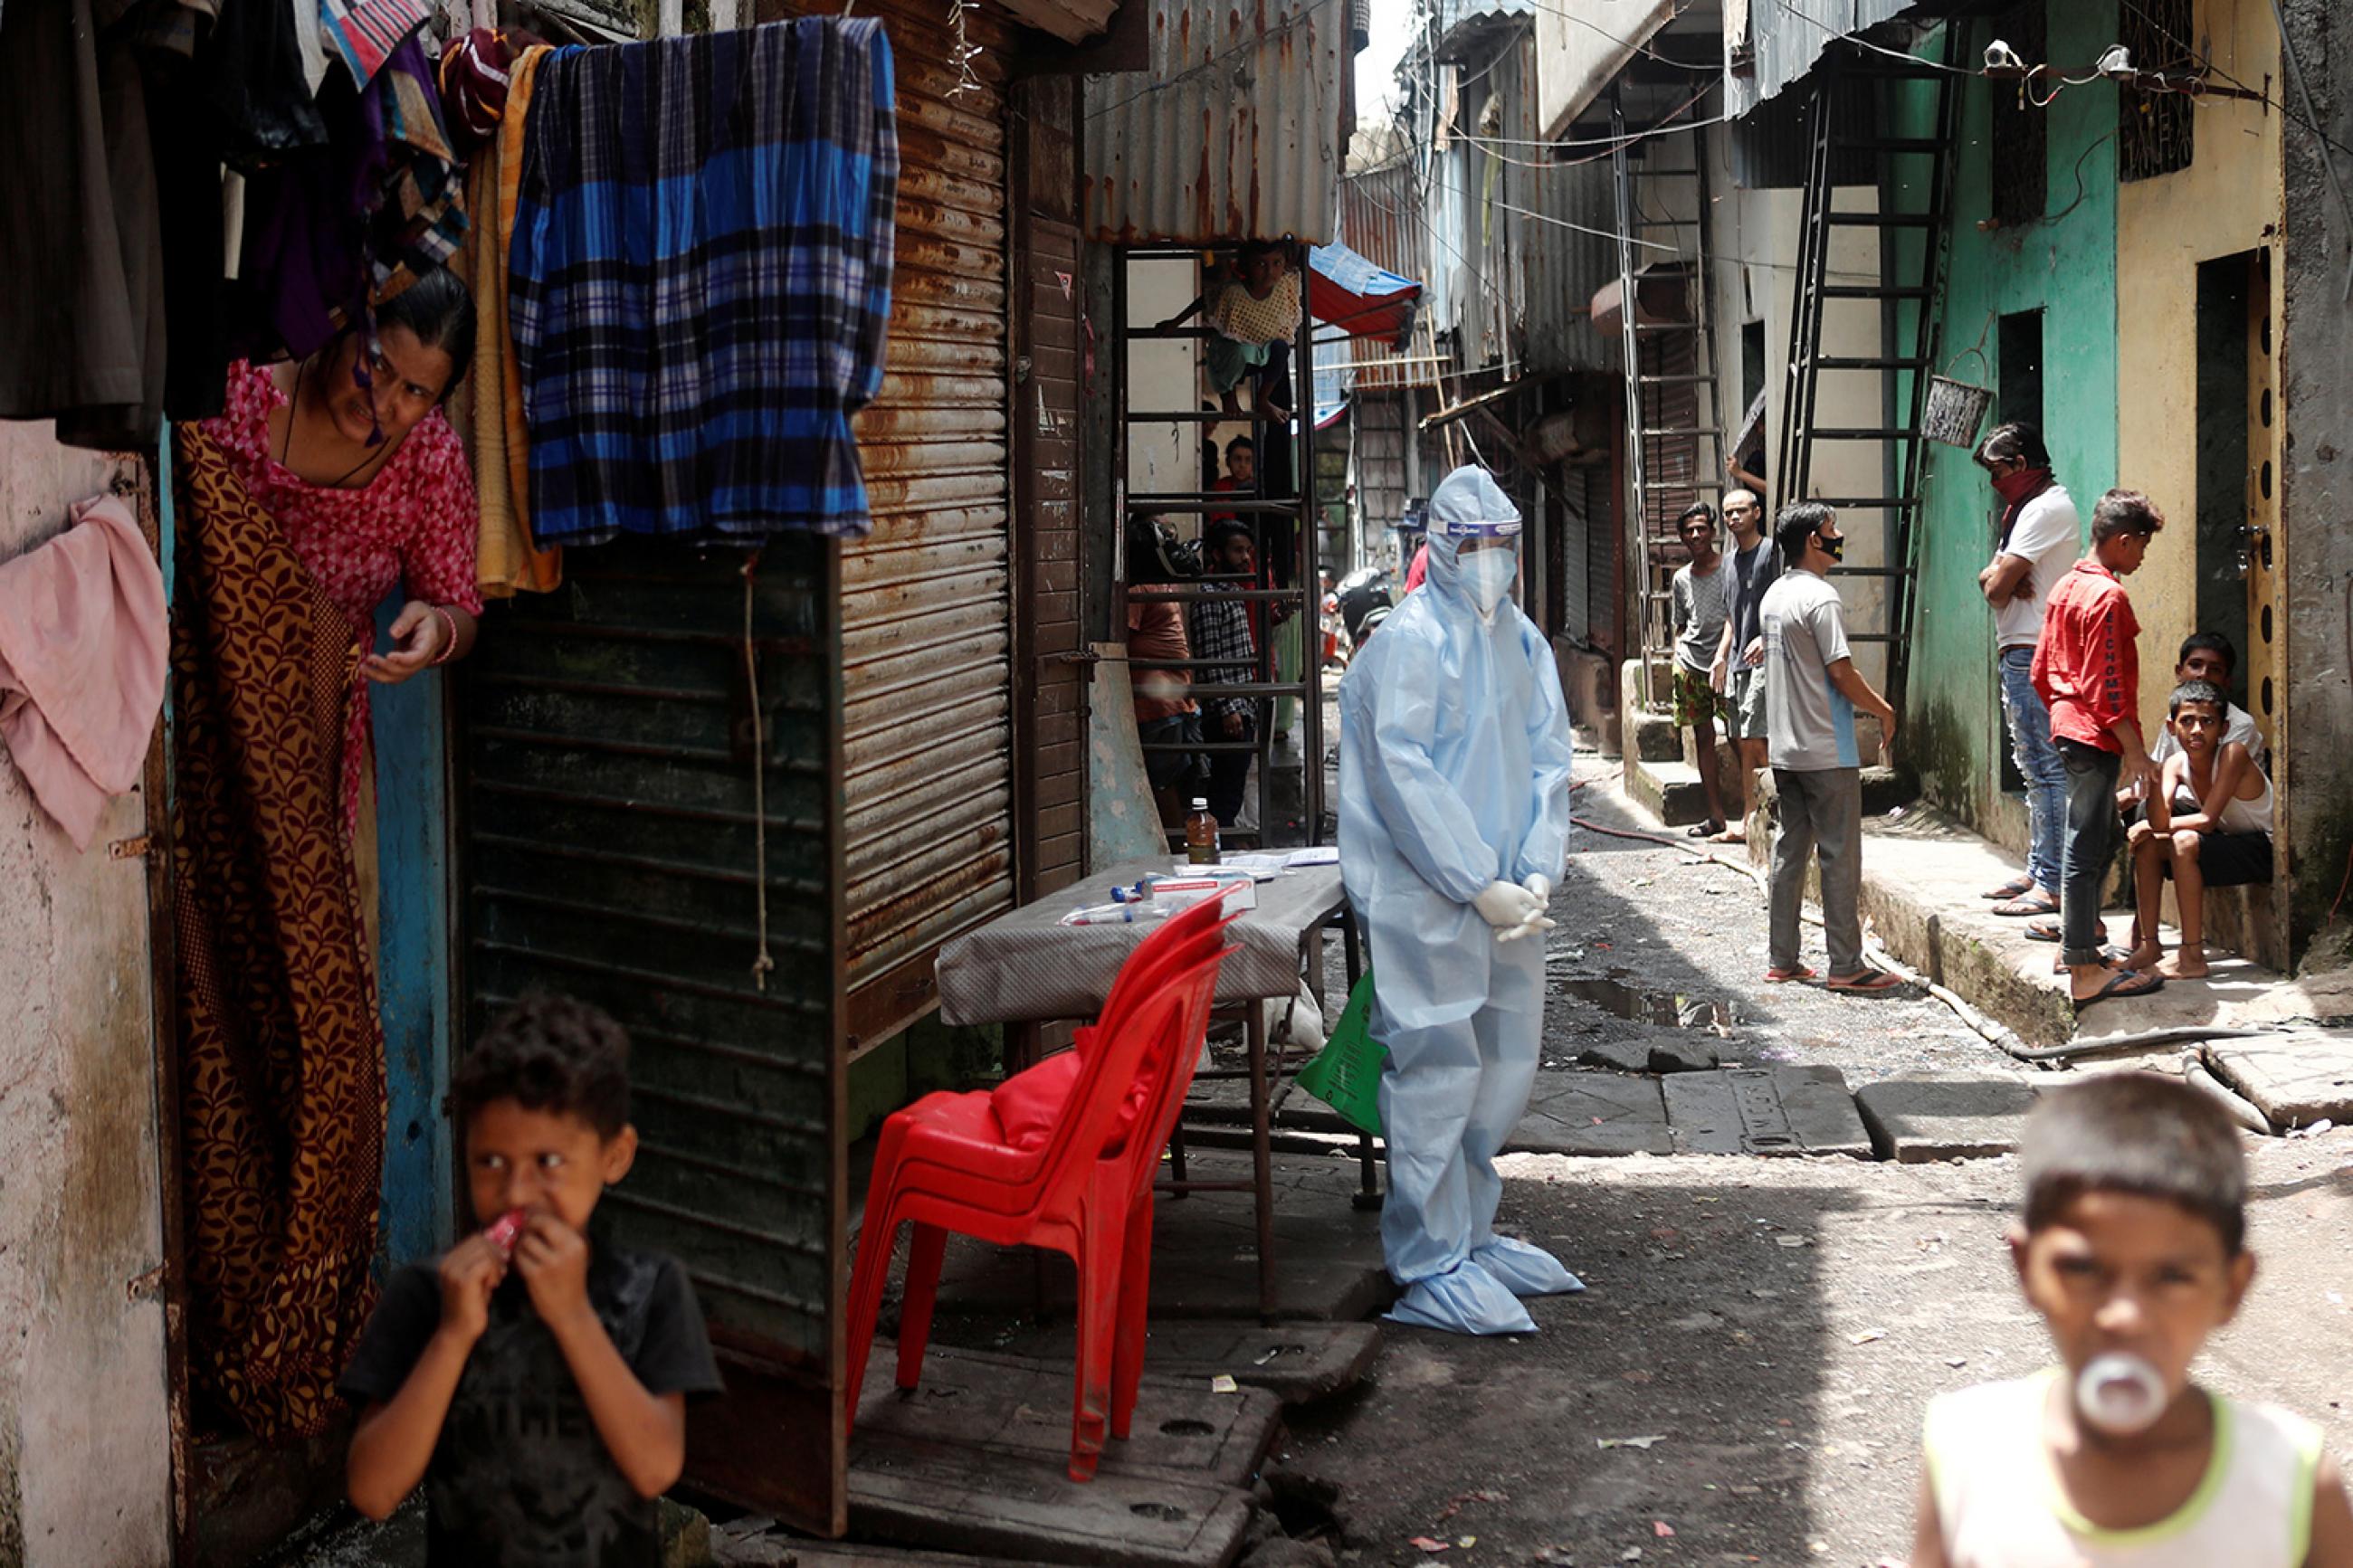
point(700, 280)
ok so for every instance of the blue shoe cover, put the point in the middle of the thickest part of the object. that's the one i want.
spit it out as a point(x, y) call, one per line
point(1465, 1300)
point(1525, 1270)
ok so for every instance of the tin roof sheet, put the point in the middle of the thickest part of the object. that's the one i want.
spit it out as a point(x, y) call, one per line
point(1783, 42)
point(1238, 129)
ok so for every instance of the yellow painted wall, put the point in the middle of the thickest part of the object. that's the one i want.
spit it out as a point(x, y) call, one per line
point(2228, 200)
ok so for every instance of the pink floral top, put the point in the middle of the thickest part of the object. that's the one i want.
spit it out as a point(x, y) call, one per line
point(414, 523)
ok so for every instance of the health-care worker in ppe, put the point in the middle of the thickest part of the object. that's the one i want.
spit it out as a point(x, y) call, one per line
point(1454, 775)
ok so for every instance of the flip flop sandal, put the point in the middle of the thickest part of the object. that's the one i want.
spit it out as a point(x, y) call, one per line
point(2111, 955)
point(2017, 887)
point(2049, 930)
point(1785, 976)
point(2123, 982)
point(1870, 982)
point(1703, 829)
point(2038, 902)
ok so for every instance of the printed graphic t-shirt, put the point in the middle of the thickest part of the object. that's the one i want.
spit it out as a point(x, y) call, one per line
point(1808, 722)
point(519, 1477)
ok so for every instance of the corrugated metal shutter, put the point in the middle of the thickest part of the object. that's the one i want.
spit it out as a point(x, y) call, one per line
point(1046, 476)
point(927, 632)
point(1575, 566)
point(610, 842)
point(1602, 536)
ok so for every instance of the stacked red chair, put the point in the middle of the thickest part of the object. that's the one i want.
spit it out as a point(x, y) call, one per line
point(1062, 1157)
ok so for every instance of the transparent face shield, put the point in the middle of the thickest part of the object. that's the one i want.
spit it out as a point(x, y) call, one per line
point(1483, 555)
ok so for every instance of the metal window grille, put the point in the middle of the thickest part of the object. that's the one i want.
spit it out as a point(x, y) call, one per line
point(2156, 131)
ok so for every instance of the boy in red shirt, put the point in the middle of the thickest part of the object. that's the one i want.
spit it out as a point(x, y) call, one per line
point(2087, 671)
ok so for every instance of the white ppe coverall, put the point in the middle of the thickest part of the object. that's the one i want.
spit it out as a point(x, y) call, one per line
point(1454, 775)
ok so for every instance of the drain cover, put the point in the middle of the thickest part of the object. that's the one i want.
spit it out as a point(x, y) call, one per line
point(1763, 1124)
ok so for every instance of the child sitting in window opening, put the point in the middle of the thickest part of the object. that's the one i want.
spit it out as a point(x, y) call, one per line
point(1256, 308)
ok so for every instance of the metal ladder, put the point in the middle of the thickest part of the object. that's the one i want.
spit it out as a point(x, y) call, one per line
point(1904, 369)
point(1674, 427)
point(1304, 595)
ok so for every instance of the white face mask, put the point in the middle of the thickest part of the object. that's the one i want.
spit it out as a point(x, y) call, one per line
point(1487, 577)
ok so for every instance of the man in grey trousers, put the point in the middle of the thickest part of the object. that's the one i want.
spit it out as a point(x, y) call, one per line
point(1811, 691)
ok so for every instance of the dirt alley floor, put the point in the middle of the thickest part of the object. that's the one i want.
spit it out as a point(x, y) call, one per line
point(1776, 1326)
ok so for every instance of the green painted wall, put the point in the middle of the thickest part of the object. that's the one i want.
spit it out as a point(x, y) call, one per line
point(2065, 267)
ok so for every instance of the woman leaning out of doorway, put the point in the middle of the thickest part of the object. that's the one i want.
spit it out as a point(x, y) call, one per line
point(324, 486)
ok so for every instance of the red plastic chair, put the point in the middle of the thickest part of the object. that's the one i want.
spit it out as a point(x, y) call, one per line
point(905, 1154)
point(1085, 1179)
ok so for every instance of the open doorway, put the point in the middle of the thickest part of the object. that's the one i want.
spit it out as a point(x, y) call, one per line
point(2226, 493)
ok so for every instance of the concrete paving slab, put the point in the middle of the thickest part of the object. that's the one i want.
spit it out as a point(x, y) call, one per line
point(1593, 1113)
point(1225, 1103)
point(976, 1458)
point(948, 1495)
point(786, 1551)
point(1020, 1406)
point(1781, 1110)
point(1205, 1252)
point(1615, 1053)
point(2295, 1079)
point(1296, 1362)
point(1666, 1055)
point(1944, 1116)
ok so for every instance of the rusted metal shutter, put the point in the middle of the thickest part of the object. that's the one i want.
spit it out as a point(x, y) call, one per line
point(1051, 682)
point(926, 607)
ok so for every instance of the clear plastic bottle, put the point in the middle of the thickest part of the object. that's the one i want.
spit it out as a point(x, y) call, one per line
point(1201, 835)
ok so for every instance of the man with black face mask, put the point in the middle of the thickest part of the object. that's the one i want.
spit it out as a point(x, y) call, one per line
point(1811, 691)
point(2039, 540)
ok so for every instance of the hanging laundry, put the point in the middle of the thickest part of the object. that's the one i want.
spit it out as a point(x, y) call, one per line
point(226, 87)
point(367, 33)
point(700, 280)
point(421, 220)
point(477, 75)
point(505, 560)
point(82, 635)
point(242, 60)
point(329, 233)
point(81, 307)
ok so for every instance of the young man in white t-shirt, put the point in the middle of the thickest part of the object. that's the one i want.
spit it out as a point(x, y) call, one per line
point(2040, 539)
point(1812, 693)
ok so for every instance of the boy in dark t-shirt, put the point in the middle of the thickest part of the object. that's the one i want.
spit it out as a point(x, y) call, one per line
point(536, 1385)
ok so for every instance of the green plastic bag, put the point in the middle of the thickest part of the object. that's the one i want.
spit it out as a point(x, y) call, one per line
point(1346, 1073)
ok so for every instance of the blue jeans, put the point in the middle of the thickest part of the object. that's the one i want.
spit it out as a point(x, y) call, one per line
point(2038, 762)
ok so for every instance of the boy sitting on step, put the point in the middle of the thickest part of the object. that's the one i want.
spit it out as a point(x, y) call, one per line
point(2207, 824)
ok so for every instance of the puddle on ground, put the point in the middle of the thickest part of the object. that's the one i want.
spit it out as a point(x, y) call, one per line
point(1662, 1007)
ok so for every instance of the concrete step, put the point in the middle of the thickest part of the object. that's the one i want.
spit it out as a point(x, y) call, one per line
point(1922, 874)
point(1656, 738)
point(1670, 791)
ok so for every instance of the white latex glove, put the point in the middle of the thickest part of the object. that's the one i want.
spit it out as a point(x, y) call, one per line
point(1541, 886)
point(1531, 926)
point(1507, 906)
